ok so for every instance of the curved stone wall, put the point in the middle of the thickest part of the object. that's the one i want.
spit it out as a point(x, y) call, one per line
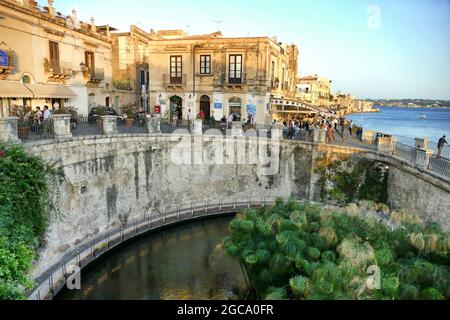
point(109, 180)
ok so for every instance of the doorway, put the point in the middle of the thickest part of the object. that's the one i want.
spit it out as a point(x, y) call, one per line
point(176, 107)
point(205, 106)
point(116, 103)
point(235, 108)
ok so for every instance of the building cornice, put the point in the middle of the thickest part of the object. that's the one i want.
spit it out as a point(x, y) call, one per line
point(58, 21)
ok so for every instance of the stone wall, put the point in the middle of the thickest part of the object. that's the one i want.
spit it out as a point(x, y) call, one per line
point(109, 179)
point(411, 193)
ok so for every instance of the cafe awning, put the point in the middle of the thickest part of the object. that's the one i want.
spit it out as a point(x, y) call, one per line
point(14, 89)
point(41, 91)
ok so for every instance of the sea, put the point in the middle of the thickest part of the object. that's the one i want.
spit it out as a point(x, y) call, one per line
point(407, 122)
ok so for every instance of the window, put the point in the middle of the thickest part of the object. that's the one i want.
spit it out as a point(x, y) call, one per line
point(205, 64)
point(89, 60)
point(26, 79)
point(235, 69)
point(54, 56)
point(176, 70)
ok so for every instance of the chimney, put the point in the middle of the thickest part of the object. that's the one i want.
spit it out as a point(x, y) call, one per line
point(51, 9)
point(93, 27)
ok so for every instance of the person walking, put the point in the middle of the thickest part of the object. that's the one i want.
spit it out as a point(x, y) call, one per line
point(345, 126)
point(441, 144)
point(190, 118)
point(330, 134)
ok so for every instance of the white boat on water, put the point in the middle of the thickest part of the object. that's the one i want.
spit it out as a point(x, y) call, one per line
point(422, 116)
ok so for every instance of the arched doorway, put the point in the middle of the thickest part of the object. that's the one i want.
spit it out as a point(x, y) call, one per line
point(205, 106)
point(91, 101)
point(176, 107)
point(116, 103)
point(235, 108)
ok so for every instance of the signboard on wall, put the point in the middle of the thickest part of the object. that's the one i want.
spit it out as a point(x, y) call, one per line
point(4, 58)
point(218, 105)
point(251, 109)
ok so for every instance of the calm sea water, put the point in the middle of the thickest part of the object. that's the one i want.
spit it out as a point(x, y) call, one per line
point(407, 122)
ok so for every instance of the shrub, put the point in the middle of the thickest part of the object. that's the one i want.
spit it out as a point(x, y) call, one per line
point(25, 204)
point(324, 255)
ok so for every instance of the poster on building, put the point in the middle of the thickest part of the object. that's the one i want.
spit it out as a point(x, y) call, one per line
point(251, 109)
point(4, 58)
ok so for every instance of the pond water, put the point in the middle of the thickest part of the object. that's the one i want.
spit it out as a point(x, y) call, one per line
point(182, 263)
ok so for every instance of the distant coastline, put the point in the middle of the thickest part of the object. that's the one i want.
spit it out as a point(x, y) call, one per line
point(411, 103)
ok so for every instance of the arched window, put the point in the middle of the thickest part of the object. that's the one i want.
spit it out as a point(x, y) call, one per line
point(26, 79)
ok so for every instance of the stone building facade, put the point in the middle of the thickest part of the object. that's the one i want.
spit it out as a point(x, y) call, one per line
point(314, 89)
point(210, 73)
point(48, 58)
point(131, 74)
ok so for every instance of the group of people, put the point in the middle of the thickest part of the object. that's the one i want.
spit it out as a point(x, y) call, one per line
point(332, 126)
point(40, 116)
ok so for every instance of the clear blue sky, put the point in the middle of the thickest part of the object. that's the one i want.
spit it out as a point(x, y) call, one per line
point(407, 57)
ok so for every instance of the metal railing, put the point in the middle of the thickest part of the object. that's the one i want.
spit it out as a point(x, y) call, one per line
point(133, 126)
point(174, 81)
point(97, 75)
point(405, 152)
point(32, 130)
point(55, 278)
point(439, 165)
point(81, 126)
point(168, 127)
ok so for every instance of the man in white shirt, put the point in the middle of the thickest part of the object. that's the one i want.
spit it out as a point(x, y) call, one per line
point(47, 121)
point(47, 113)
point(190, 118)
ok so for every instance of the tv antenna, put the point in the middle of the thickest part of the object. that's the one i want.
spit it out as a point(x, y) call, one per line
point(218, 23)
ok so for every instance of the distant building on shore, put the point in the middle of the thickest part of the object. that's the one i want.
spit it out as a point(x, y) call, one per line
point(361, 106)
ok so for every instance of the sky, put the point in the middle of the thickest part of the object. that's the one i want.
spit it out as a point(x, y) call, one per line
point(383, 49)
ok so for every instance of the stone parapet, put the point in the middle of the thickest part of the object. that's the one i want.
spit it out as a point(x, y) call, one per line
point(109, 125)
point(61, 126)
point(153, 125)
point(8, 129)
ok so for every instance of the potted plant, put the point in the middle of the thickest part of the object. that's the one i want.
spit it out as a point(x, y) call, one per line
point(128, 112)
point(24, 113)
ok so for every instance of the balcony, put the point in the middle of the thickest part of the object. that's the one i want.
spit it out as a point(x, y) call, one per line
point(96, 75)
point(59, 71)
point(237, 82)
point(274, 84)
point(170, 82)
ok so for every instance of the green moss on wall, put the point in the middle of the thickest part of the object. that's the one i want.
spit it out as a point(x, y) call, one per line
point(350, 181)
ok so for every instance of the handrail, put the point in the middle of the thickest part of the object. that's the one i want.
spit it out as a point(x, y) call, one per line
point(54, 278)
